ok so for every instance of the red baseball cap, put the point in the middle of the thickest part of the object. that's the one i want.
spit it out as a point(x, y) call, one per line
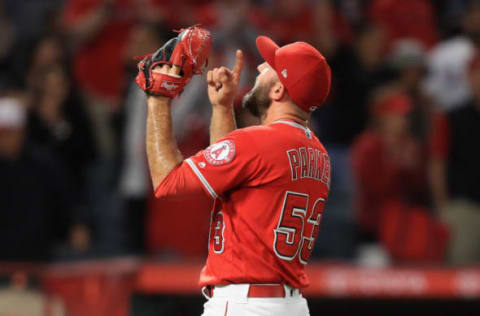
point(301, 68)
point(396, 104)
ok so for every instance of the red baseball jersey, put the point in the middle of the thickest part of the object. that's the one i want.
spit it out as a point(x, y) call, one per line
point(270, 185)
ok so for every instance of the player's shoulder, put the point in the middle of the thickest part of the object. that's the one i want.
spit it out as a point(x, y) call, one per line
point(252, 130)
point(250, 134)
point(273, 136)
point(241, 141)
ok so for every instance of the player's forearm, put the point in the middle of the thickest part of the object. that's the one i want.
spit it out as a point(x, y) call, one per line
point(222, 123)
point(162, 150)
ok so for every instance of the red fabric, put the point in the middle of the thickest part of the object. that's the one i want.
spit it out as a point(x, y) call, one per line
point(179, 227)
point(158, 83)
point(266, 291)
point(266, 178)
point(180, 185)
point(98, 65)
point(411, 234)
point(406, 18)
point(439, 137)
point(301, 68)
point(379, 180)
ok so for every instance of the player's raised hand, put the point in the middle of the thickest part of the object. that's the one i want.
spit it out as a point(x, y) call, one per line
point(185, 56)
point(223, 82)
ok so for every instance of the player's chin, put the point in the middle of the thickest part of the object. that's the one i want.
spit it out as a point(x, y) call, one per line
point(256, 101)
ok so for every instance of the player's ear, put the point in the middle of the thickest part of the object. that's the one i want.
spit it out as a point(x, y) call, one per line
point(277, 91)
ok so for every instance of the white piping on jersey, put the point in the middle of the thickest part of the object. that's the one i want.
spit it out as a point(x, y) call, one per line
point(202, 178)
point(293, 124)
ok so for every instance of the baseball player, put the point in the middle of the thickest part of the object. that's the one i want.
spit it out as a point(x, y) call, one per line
point(270, 183)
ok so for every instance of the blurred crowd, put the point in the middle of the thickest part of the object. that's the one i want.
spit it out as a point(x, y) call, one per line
point(401, 125)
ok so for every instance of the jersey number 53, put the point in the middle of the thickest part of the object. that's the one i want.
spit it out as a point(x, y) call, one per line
point(297, 227)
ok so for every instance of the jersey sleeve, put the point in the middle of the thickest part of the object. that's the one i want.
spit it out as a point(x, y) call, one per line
point(179, 184)
point(232, 161)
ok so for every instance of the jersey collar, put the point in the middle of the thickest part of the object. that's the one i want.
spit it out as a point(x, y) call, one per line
point(294, 124)
point(307, 131)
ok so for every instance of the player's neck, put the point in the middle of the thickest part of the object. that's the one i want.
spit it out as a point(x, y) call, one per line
point(285, 111)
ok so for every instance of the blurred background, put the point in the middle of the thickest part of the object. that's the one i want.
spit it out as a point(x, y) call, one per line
point(80, 231)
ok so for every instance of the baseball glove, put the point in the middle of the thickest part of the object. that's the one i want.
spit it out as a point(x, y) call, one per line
point(189, 50)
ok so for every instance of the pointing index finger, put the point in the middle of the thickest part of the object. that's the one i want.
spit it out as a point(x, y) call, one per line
point(238, 63)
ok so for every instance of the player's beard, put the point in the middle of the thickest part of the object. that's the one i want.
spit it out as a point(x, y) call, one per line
point(257, 100)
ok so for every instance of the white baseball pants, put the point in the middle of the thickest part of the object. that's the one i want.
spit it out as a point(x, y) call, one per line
point(232, 300)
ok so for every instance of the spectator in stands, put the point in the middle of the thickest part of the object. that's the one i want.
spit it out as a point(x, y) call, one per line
point(98, 31)
point(407, 59)
point(455, 172)
point(387, 162)
point(49, 51)
point(391, 188)
point(36, 196)
point(405, 19)
point(448, 62)
point(408, 63)
point(59, 122)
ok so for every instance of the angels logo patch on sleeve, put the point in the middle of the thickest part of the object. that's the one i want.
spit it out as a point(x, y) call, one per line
point(220, 153)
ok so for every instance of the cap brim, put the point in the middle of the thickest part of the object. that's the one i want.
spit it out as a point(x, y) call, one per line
point(267, 48)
